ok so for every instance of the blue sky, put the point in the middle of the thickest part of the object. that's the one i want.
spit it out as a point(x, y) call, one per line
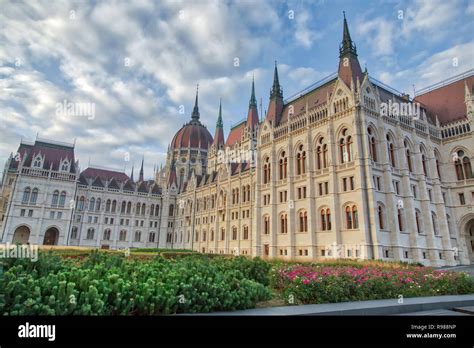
point(139, 62)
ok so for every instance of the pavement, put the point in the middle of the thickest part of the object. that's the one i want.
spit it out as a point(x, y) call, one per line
point(454, 305)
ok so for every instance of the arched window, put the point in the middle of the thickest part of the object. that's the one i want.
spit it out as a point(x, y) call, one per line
point(283, 223)
point(355, 217)
point(348, 218)
point(266, 224)
point(418, 221)
point(123, 235)
point(26, 195)
point(143, 208)
point(114, 206)
point(171, 210)
point(129, 207)
point(90, 233)
point(138, 236)
point(248, 193)
point(55, 199)
point(151, 237)
point(434, 220)
point(74, 232)
point(401, 227)
point(391, 151)
point(234, 233)
point(222, 233)
point(123, 207)
point(325, 219)
point(106, 235)
point(321, 154)
point(92, 204)
point(62, 199)
point(300, 160)
point(266, 171)
point(107, 205)
point(424, 161)
point(448, 222)
point(152, 209)
point(303, 221)
point(34, 196)
point(345, 146)
point(137, 208)
point(157, 210)
point(408, 156)
point(372, 144)
point(283, 165)
point(81, 203)
point(212, 235)
point(380, 214)
point(97, 204)
point(463, 166)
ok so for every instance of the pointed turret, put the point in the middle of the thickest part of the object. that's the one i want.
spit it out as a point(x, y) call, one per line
point(349, 66)
point(140, 178)
point(219, 135)
point(275, 107)
point(195, 114)
point(252, 115)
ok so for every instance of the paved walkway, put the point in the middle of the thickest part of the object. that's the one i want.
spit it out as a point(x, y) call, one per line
point(468, 269)
point(441, 305)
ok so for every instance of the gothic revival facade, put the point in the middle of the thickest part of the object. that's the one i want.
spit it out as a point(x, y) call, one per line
point(348, 168)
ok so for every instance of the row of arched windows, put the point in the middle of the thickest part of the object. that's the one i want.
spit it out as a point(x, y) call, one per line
point(30, 196)
point(58, 200)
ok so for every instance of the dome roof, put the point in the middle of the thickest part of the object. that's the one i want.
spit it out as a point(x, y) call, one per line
point(192, 134)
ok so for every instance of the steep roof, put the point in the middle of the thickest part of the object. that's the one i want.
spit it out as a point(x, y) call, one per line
point(448, 100)
point(104, 174)
point(235, 134)
point(53, 152)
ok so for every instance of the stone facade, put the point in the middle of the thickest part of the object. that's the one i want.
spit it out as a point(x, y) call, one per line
point(349, 168)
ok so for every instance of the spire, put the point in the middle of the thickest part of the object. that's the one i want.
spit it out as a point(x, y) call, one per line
point(349, 67)
point(275, 107)
point(131, 175)
point(219, 134)
point(140, 178)
point(276, 89)
point(252, 116)
point(253, 101)
point(347, 46)
point(195, 114)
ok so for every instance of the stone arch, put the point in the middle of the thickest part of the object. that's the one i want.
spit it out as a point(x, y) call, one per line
point(21, 234)
point(51, 236)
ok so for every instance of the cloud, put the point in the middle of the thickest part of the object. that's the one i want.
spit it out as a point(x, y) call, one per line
point(380, 32)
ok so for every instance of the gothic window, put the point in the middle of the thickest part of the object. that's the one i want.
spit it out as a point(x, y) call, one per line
point(90, 233)
point(138, 236)
point(463, 166)
point(352, 217)
point(54, 201)
point(434, 221)
point(438, 170)
point(151, 237)
point(418, 221)
point(114, 206)
point(300, 160)
point(380, 215)
point(106, 234)
point(321, 154)
point(424, 161)
point(26, 195)
point(303, 217)
point(107, 205)
point(283, 165)
point(391, 151)
point(123, 235)
point(157, 210)
point(372, 144)
point(81, 203)
point(345, 146)
point(38, 162)
point(283, 223)
point(129, 207)
point(74, 232)
point(34, 196)
point(266, 224)
point(171, 210)
point(65, 166)
point(246, 232)
point(143, 208)
point(266, 171)
point(234, 233)
point(408, 156)
point(124, 207)
point(400, 219)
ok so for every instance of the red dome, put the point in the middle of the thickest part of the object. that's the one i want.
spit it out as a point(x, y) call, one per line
point(192, 134)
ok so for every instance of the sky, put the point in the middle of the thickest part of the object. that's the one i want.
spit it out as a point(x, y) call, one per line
point(137, 63)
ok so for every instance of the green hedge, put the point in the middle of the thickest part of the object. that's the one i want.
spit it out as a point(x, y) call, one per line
point(108, 284)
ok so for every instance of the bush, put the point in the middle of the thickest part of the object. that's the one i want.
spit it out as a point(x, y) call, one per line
point(109, 284)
